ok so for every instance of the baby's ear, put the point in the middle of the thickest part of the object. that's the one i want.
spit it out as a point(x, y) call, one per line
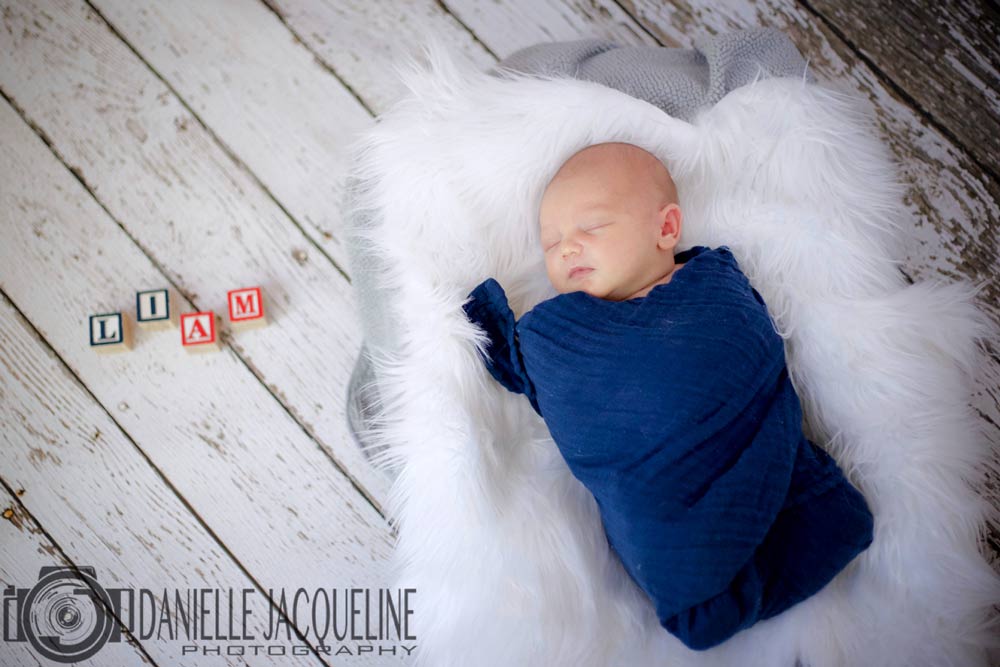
point(671, 221)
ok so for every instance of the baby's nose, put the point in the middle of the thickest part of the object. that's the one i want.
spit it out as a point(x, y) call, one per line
point(569, 248)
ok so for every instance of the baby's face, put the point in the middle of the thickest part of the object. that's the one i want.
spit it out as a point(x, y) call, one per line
point(609, 223)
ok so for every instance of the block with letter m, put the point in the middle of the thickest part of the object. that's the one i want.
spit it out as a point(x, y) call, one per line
point(246, 307)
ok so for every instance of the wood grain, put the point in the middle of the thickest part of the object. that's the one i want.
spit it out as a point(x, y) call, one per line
point(361, 42)
point(202, 218)
point(943, 56)
point(24, 550)
point(231, 453)
point(98, 499)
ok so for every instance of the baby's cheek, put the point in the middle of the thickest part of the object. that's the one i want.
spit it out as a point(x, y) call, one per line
point(554, 277)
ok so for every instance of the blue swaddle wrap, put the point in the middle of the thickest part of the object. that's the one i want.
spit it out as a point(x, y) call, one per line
point(677, 412)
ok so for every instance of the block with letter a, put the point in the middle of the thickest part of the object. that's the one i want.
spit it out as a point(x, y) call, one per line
point(110, 332)
point(246, 308)
point(198, 332)
point(153, 309)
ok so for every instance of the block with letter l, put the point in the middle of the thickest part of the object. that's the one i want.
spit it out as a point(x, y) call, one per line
point(110, 332)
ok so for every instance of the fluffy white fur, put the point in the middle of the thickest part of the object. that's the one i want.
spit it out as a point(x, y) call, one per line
point(505, 547)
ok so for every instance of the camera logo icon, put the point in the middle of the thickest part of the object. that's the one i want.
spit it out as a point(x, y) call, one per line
point(64, 616)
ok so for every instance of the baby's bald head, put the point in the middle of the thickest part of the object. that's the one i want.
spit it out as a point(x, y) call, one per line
point(621, 169)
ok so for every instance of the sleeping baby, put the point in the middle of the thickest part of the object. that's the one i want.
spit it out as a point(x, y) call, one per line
point(664, 385)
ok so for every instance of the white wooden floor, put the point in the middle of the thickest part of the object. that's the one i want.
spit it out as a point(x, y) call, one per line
point(199, 145)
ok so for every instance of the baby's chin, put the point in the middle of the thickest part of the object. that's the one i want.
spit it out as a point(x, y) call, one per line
point(571, 289)
point(592, 288)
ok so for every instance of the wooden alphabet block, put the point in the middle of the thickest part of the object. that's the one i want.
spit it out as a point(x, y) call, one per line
point(198, 332)
point(110, 332)
point(153, 309)
point(246, 308)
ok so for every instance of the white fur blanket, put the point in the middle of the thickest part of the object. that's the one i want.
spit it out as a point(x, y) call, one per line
point(503, 545)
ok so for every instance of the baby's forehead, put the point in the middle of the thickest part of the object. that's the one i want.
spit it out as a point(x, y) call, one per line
point(602, 167)
point(605, 171)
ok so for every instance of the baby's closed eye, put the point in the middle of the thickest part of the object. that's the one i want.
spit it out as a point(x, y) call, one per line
point(550, 244)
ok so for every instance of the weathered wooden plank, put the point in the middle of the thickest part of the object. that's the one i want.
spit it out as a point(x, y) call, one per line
point(100, 501)
point(360, 41)
point(268, 100)
point(234, 456)
point(505, 26)
point(944, 55)
point(203, 218)
point(24, 551)
point(284, 113)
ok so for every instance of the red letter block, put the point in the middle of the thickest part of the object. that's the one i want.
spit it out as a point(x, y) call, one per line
point(198, 332)
point(246, 308)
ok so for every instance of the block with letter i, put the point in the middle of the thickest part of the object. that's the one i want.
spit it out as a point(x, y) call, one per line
point(153, 309)
point(198, 332)
point(246, 308)
point(110, 332)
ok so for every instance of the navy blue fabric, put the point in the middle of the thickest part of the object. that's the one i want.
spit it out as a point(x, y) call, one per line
point(677, 412)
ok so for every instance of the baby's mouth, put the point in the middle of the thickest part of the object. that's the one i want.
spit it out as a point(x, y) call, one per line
point(579, 271)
